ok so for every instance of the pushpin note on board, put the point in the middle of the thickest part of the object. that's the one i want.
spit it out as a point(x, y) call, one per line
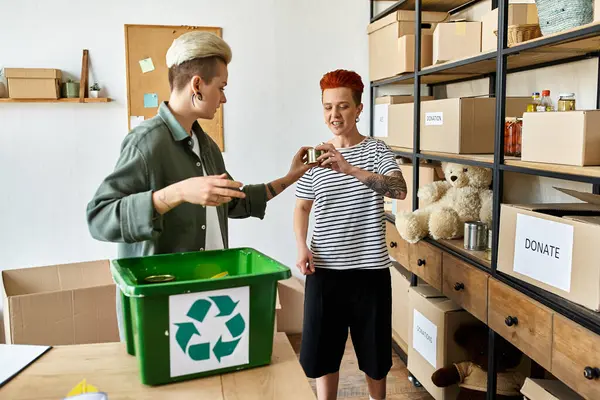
point(147, 65)
point(82, 387)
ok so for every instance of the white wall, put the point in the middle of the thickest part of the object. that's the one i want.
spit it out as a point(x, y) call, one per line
point(53, 156)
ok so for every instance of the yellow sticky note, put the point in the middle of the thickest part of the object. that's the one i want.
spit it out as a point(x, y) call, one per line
point(460, 28)
point(81, 388)
point(147, 65)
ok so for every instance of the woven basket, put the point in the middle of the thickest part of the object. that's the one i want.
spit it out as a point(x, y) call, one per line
point(521, 33)
point(559, 15)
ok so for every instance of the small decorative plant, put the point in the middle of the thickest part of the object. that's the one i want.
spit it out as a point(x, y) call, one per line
point(94, 90)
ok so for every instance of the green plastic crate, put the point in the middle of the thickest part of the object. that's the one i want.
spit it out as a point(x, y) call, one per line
point(197, 325)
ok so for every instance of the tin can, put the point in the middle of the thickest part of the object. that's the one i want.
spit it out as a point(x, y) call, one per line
point(313, 154)
point(159, 278)
point(488, 252)
point(475, 236)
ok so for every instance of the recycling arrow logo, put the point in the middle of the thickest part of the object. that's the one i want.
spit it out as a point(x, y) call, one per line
point(198, 312)
point(209, 330)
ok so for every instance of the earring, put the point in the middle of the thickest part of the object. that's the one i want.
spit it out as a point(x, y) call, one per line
point(357, 119)
point(196, 96)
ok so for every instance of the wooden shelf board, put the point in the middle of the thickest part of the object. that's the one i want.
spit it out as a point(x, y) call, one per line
point(458, 246)
point(70, 100)
point(433, 5)
point(557, 168)
point(484, 158)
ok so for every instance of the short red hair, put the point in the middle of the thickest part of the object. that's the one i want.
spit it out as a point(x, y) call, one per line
point(346, 79)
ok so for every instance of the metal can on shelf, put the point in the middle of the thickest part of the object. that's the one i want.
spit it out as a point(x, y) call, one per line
point(475, 236)
point(566, 102)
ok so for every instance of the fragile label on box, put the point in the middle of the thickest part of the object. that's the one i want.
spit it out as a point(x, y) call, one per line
point(434, 118)
point(425, 338)
point(208, 330)
point(380, 120)
point(544, 251)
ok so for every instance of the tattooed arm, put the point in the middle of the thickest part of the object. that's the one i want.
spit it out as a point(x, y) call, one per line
point(392, 185)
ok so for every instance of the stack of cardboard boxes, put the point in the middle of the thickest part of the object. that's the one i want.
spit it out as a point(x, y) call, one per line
point(459, 126)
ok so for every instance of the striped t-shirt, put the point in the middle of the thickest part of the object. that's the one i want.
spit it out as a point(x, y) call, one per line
point(349, 230)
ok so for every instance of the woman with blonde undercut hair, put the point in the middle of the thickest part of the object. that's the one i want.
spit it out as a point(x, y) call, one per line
point(170, 191)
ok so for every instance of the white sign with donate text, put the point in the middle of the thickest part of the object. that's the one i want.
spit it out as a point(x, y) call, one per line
point(425, 338)
point(380, 120)
point(434, 118)
point(544, 251)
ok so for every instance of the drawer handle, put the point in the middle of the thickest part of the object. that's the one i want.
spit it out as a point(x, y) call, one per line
point(420, 262)
point(591, 373)
point(510, 321)
point(458, 286)
point(393, 244)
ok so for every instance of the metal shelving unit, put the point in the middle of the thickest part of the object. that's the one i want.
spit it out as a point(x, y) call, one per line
point(566, 47)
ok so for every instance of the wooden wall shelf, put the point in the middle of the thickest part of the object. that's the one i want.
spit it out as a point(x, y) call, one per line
point(71, 100)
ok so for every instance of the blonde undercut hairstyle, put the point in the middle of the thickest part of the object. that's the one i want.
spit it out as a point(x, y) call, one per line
point(196, 53)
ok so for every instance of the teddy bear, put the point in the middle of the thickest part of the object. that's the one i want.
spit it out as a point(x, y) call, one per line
point(471, 375)
point(446, 205)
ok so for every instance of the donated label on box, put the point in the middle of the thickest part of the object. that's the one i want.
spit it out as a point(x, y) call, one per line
point(434, 118)
point(380, 120)
point(544, 251)
point(425, 338)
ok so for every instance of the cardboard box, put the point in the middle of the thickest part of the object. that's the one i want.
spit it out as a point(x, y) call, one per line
point(389, 56)
point(464, 125)
point(546, 389)
point(393, 120)
point(33, 83)
point(427, 174)
point(400, 309)
point(291, 314)
point(434, 320)
point(554, 246)
point(60, 304)
point(518, 14)
point(570, 137)
point(456, 40)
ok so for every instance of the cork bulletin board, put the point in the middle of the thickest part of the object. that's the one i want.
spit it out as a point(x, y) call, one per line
point(148, 76)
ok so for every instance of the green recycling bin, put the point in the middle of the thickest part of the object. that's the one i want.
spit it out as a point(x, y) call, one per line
point(191, 315)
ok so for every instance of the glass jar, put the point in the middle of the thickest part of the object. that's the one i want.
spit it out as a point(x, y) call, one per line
point(566, 102)
point(512, 136)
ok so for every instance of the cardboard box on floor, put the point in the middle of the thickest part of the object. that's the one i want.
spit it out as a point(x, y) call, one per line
point(518, 14)
point(433, 321)
point(393, 119)
point(546, 389)
point(33, 83)
point(400, 314)
point(428, 173)
point(456, 40)
point(60, 304)
point(388, 55)
point(570, 137)
point(464, 125)
point(290, 315)
point(555, 247)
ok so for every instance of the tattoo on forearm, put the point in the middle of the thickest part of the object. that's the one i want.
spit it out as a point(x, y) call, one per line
point(390, 186)
point(272, 190)
point(163, 199)
point(283, 186)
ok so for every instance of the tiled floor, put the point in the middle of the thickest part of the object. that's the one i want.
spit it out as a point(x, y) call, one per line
point(352, 381)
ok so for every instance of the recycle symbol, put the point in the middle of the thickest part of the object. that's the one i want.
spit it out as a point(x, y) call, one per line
point(198, 312)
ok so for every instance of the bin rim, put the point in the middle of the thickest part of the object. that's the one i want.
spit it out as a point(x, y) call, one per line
point(125, 280)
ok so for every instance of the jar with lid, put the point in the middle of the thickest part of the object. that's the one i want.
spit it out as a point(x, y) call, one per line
point(546, 102)
point(566, 102)
point(512, 136)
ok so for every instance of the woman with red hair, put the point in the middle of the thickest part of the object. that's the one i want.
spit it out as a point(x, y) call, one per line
point(348, 284)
